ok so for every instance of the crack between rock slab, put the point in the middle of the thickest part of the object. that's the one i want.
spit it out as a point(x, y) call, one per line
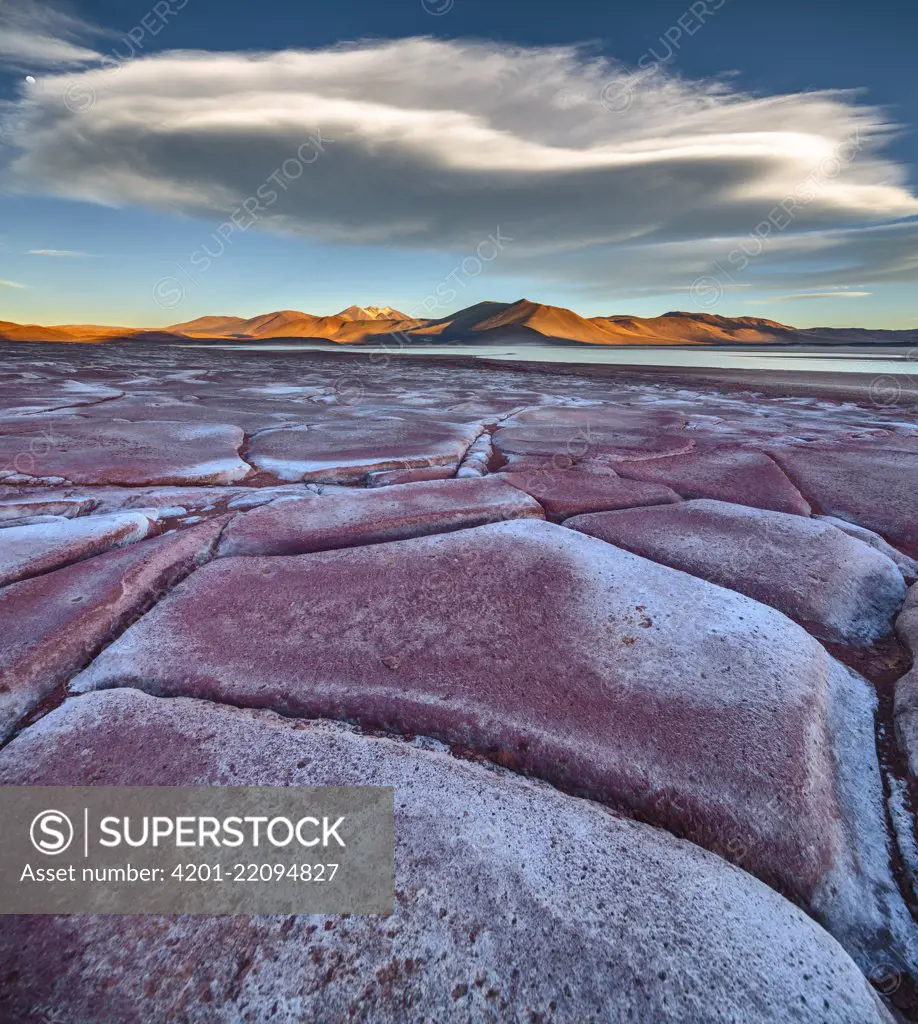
point(817, 510)
point(242, 453)
point(155, 532)
point(890, 757)
point(421, 741)
point(68, 408)
point(62, 692)
point(498, 763)
point(814, 505)
point(436, 531)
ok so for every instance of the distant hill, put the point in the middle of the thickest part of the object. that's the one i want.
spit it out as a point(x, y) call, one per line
point(484, 322)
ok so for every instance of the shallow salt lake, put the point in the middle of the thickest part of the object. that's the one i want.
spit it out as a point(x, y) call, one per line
point(836, 360)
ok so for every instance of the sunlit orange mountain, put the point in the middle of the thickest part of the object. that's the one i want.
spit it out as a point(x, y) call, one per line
point(484, 322)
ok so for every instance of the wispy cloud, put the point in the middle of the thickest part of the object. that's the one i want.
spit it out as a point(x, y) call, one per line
point(59, 253)
point(12, 284)
point(435, 142)
point(35, 35)
point(831, 294)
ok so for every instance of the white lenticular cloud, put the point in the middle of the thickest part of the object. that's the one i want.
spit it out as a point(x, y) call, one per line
point(432, 144)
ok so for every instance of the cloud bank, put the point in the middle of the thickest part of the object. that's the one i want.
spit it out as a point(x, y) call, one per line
point(432, 144)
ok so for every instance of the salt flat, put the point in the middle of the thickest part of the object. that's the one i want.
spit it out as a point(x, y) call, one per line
point(657, 612)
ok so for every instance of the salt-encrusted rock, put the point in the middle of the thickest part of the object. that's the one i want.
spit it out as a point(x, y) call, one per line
point(478, 458)
point(31, 549)
point(346, 451)
point(906, 718)
point(695, 707)
point(571, 492)
point(28, 503)
point(388, 477)
point(296, 526)
point(906, 704)
point(99, 452)
point(514, 902)
point(190, 499)
point(729, 474)
point(5, 524)
point(871, 485)
point(835, 585)
point(608, 415)
point(54, 624)
point(249, 414)
point(25, 397)
point(907, 622)
point(579, 442)
point(907, 566)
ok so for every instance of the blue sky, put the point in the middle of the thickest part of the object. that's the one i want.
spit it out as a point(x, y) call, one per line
point(775, 198)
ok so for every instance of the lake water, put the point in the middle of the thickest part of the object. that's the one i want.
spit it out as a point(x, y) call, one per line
point(836, 360)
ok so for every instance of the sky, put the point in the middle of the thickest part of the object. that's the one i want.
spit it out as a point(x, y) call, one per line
point(161, 161)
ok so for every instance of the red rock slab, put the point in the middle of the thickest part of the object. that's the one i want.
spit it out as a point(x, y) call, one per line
point(24, 503)
point(347, 451)
point(296, 526)
point(20, 396)
point(839, 588)
point(622, 921)
point(693, 706)
point(871, 486)
point(390, 477)
point(736, 475)
point(600, 417)
point(31, 521)
point(578, 442)
point(907, 622)
point(249, 414)
point(907, 566)
point(54, 624)
point(906, 699)
point(537, 464)
point(92, 452)
point(29, 550)
point(164, 499)
point(570, 492)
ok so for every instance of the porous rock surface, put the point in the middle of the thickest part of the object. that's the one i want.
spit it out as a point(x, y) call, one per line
point(93, 452)
point(36, 547)
point(296, 526)
point(884, 498)
point(728, 474)
point(907, 566)
point(514, 902)
point(334, 452)
point(842, 589)
point(54, 624)
point(446, 637)
point(570, 492)
point(906, 708)
point(707, 714)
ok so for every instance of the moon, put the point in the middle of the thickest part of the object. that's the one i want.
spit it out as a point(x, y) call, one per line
point(30, 80)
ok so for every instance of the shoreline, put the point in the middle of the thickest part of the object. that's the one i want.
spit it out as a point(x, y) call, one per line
point(879, 390)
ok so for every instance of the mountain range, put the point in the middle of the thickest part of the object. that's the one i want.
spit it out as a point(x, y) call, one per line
point(519, 321)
